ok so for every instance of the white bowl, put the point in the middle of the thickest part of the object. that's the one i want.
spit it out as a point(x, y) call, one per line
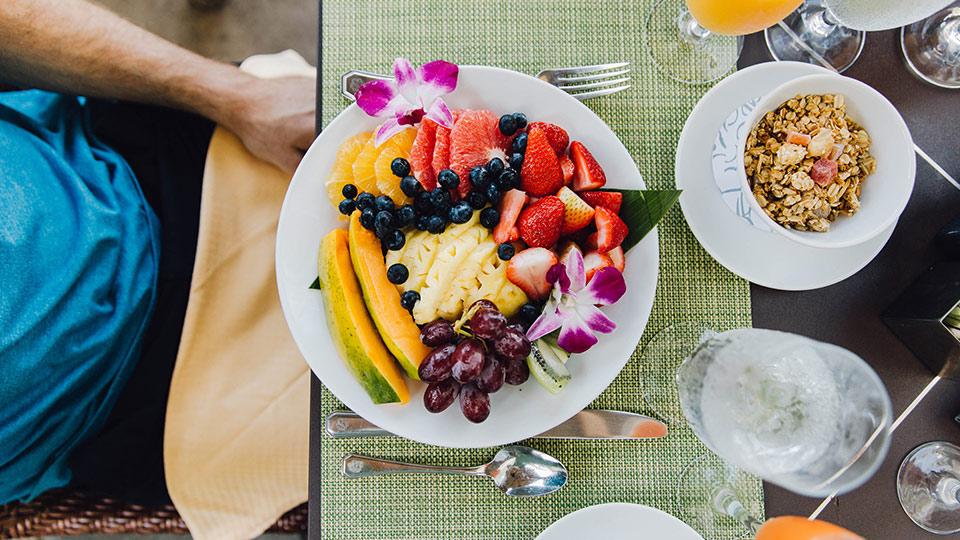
point(884, 194)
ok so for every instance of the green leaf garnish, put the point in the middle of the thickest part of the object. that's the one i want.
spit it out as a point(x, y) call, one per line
point(642, 209)
point(316, 284)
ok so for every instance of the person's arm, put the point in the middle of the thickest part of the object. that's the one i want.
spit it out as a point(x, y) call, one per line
point(76, 47)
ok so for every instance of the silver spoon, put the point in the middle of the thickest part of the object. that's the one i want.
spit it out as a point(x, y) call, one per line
point(516, 470)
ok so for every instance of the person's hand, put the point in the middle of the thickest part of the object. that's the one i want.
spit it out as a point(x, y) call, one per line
point(275, 118)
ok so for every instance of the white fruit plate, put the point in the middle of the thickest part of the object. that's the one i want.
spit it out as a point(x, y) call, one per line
point(517, 412)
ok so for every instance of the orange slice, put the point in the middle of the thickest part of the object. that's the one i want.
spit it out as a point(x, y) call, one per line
point(342, 173)
point(397, 146)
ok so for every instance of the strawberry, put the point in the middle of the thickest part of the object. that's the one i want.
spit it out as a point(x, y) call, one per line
point(606, 199)
point(555, 134)
point(475, 140)
point(577, 214)
point(566, 168)
point(528, 270)
point(441, 150)
point(540, 174)
point(616, 255)
point(611, 230)
point(510, 206)
point(540, 222)
point(589, 174)
point(421, 154)
point(593, 260)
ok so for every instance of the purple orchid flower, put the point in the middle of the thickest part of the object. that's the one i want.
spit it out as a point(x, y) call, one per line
point(572, 306)
point(413, 95)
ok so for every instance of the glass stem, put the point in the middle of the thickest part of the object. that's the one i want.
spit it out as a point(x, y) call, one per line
point(948, 490)
point(690, 30)
point(726, 502)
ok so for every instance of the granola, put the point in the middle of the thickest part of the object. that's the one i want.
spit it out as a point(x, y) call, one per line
point(806, 162)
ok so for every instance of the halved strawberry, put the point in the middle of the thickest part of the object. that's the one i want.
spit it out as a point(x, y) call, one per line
point(528, 270)
point(421, 154)
point(540, 223)
point(606, 199)
point(555, 134)
point(593, 260)
point(475, 140)
point(616, 255)
point(611, 230)
point(577, 214)
point(589, 173)
point(510, 206)
point(566, 168)
point(540, 174)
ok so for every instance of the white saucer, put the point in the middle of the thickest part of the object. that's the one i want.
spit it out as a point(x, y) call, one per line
point(761, 257)
point(619, 521)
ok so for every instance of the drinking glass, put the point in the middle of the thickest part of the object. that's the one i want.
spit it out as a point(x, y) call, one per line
point(696, 41)
point(812, 34)
point(931, 47)
point(661, 359)
point(928, 485)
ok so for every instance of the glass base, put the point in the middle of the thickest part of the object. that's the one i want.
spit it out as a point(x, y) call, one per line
point(684, 50)
point(931, 48)
point(661, 359)
point(824, 40)
point(928, 484)
point(700, 483)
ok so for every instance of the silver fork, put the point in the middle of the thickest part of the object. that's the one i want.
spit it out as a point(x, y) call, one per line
point(581, 82)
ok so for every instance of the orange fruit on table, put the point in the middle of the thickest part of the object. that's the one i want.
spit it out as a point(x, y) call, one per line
point(799, 528)
point(342, 173)
point(397, 146)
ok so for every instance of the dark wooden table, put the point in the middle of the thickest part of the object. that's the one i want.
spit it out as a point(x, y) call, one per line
point(847, 313)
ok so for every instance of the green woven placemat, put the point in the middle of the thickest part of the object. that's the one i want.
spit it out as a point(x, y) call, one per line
point(528, 36)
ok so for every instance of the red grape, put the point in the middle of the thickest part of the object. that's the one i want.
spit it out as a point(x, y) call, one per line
point(515, 371)
point(517, 325)
point(474, 403)
point(487, 323)
point(439, 396)
point(484, 303)
point(492, 376)
point(437, 333)
point(468, 360)
point(512, 344)
point(438, 364)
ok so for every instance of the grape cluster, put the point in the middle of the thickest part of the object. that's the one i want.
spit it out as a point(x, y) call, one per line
point(473, 364)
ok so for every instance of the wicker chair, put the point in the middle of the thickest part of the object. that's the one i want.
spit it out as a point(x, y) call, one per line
point(65, 512)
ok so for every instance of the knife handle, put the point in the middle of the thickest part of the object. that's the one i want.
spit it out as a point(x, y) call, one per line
point(346, 424)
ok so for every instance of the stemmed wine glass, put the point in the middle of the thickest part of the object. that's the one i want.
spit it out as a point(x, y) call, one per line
point(928, 485)
point(808, 416)
point(812, 34)
point(931, 47)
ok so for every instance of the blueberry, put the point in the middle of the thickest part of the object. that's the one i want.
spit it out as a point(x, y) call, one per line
point(448, 179)
point(367, 218)
point(422, 222)
point(441, 199)
point(516, 160)
point(365, 200)
point(347, 206)
point(478, 177)
point(519, 145)
point(520, 120)
point(394, 240)
point(507, 124)
point(397, 273)
point(436, 225)
point(382, 203)
point(349, 191)
point(509, 179)
point(494, 167)
point(383, 223)
point(409, 299)
point(489, 217)
point(423, 202)
point(493, 193)
point(405, 215)
point(506, 251)
point(529, 312)
point(461, 212)
point(400, 167)
point(476, 199)
point(409, 186)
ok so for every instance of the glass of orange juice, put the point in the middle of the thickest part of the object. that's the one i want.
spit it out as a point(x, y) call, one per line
point(697, 41)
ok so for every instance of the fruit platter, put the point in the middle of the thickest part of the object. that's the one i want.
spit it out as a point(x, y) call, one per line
point(470, 285)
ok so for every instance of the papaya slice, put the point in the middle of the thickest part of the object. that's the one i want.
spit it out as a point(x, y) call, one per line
point(352, 330)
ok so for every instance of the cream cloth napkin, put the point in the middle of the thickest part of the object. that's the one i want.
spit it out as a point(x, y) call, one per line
point(236, 435)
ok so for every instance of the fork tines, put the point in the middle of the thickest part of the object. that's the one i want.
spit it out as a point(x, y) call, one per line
point(585, 82)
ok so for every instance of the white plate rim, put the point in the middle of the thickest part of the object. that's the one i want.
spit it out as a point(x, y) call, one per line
point(556, 528)
point(689, 170)
point(645, 258)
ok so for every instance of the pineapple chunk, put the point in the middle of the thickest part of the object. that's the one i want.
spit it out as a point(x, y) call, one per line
point(510, 298)
point(418, 258)
point(466, 279)
point(450, 256)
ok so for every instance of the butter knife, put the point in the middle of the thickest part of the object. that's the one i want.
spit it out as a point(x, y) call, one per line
point(586, 424)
